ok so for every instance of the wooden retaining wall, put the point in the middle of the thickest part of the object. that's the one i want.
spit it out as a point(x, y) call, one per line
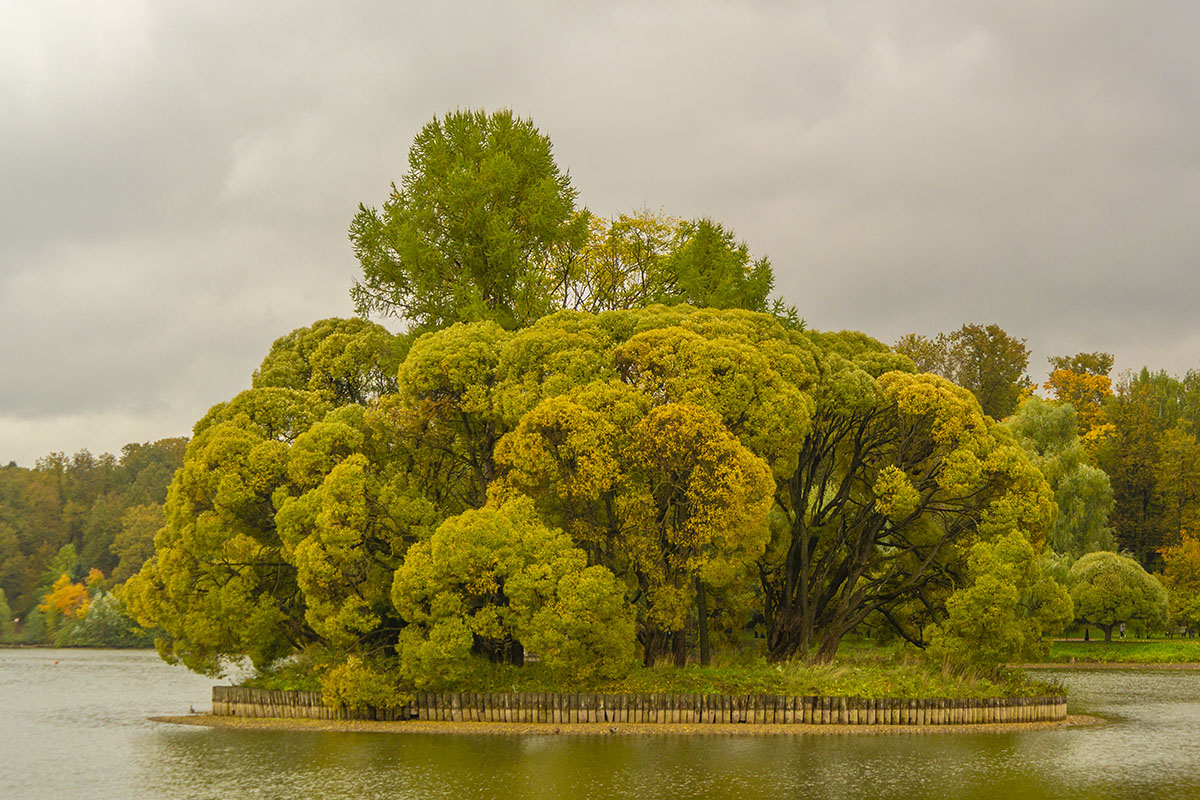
point(649, 708)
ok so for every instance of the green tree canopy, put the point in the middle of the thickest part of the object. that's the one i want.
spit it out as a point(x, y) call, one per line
point(347, 360)
point(1003, 612)
point(1110, 589)
point(1082, 492)
point(897, 476)
point(576, 486)
point(494, 581)
point(468, 233)
point(1181, 576)
point(711, 268)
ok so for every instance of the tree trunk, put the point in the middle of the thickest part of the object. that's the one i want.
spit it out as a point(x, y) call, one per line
point(653, 643)
point(829, 646)
point(516, 653)
point(679, 640)
point(702, 622)
point(1108, 632)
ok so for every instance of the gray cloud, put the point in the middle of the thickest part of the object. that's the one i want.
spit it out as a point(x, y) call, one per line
point(176, 179)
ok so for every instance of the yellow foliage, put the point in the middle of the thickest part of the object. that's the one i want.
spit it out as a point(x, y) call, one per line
point(66, 598)
point(1085, 392)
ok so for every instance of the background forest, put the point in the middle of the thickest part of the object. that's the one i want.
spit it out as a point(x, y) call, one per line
point(601, 442)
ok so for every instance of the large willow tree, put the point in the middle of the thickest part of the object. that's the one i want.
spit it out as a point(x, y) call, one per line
point(721, 465)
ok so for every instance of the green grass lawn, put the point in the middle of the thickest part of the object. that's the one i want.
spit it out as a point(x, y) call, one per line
point(1131, 651)
point(860, 670)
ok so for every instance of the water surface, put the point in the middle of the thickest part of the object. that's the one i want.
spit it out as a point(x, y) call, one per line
point(78, 728)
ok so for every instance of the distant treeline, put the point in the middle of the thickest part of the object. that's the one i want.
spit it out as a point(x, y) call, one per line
point(89, 518)
point(1142, 431)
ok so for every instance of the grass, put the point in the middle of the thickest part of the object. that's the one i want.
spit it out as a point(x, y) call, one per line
point(1127, 651)
point(860, 670)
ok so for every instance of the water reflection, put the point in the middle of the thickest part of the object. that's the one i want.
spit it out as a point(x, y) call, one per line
point(79, 728)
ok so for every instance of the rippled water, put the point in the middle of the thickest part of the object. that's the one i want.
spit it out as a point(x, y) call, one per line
point(78, 728)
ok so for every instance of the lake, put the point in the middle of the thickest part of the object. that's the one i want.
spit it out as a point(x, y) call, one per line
point(73, 724)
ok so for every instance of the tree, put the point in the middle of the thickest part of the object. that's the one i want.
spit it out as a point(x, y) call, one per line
point(100, 530)
point(624, 263)
point(578, 452)
point(710, 268)
point(349, 520)
point(347, 360)
point(1003, 612)
point(446, 415)
point(1181, 576)
point(897, 476)
point(492, 581)
point(146, 469)
point(1082, 492)
point(468, 234)
point(984, 359)
point(1082, 381)
point(699, 510)
point(133, 545)
point(8, 630)
point(66, 598)
point(1110, 589)
point(106, 624)
point(1149, 456)
point(1177, 483)
point(219, 585)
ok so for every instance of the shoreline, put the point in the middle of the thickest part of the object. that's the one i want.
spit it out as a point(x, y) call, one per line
point(1173, 665)
point(601, 728)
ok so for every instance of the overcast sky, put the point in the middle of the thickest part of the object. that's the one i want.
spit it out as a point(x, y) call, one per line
point(176, 179)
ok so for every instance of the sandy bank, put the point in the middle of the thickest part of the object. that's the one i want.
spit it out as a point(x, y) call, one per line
point(602, 729)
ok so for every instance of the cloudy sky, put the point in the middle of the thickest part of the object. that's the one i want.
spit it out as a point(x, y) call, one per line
point(176, 179)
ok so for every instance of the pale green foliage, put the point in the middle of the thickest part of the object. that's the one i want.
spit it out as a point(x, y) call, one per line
point(360, 684)
point(745, 367)
point(444, 412)
point(1082, 491)
point(345, 518)
point(586, 631)
point(1004, 611)
point(1109, 589)
point(485, 579)
point(346, 539)
point(623, 263)
point(107, 624)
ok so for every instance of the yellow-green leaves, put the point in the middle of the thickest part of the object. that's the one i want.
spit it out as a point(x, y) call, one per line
point(1111, 589)
point(344, 360)
point(696, 507)
point(895, 495)
point(1003, 613)
point(494, 577)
